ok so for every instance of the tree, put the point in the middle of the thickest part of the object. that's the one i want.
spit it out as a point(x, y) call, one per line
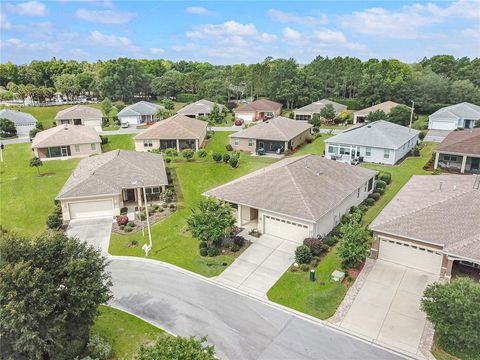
point(7, 128)
point(328, 112)
point(315, 120)
point(216, 116)
point(50, 290)
point(188, 154)
point(354, 242)
point(453, 309)
point(377, 115)
point(107, 106)
point(169, 347)
point(400, 115)
point(168, 85)
point(68, 85)
point(211, 221)
point(36, 162)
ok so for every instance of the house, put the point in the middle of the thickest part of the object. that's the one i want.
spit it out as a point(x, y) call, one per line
point(199, 108)
point(432, 224)
point(274, 135)
point(305, 113)
point(177, 132)
point(80, 115)
point(66, 141)
point(101, 185)
point(460, 150)
point(459, 116)
point(24, 122)
point(297, 197)
point(380, 142)
point(258, 110)
point(360, 116)
point(139, 113)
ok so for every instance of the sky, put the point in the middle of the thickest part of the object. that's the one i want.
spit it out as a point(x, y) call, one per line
point(228, 32)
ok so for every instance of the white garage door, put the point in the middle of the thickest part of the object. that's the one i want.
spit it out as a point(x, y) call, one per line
point(245, 117)
point(411, 255)
point(285, 229)
point(89, 209)
point(443, 125)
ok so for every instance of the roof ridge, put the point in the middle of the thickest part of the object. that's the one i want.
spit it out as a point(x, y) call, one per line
point(182, 125)
point(299, 190)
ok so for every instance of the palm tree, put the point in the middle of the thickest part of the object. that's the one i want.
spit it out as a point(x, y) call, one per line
point(36, 162)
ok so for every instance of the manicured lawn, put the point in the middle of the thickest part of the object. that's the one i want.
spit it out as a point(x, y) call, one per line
point(421, 123)
point(400, 175)
point(218, 141)
point(124, 332)
point(316, 147)
point(124, 142)
point(440, 354)
point(26, 199)
point(296, 291)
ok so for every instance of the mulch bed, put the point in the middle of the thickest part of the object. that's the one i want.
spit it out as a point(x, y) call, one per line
point(141, 224)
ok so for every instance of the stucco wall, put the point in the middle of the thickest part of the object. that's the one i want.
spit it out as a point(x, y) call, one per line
point(243, 144)
point(139, 145)
point(84, 150)
point(300, 139)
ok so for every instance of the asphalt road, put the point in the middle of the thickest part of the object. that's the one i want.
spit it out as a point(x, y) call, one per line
point(240, 327)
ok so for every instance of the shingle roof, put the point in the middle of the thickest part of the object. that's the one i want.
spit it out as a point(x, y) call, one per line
point(279, 128)
point(381, 134)
point(463, 110)
point(260, 105)
point(140, 108)
point(63, 135)
point(109, 173)
point(175, 127)
point(305, 187)
point(462, 141)
point(317, 106)
point(17, 117)
point(442, 210)
point(199, 107)
point(385, 106)
point(79, 112)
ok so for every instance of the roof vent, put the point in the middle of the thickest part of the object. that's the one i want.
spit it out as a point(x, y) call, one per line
point(454, 187)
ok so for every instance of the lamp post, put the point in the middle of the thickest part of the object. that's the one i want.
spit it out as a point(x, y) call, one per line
point(411, 113)
point(146, 209)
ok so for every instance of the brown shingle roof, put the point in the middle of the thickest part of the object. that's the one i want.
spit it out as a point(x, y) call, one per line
point(175, 127)
point(260, 105)
point(305, 187)
point(385, 106)
point(79, 112)
point(279, 128)
point(63, 135)
point(462, 141)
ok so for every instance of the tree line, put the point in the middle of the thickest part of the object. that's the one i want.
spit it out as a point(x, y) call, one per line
point(431, 83)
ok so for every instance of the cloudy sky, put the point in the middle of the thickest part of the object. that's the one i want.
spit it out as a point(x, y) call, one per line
point(225, 32)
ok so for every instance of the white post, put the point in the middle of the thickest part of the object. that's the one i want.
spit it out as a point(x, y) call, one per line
point(437, 155)
point(411, 114)
point(148, 219)
point(1, 153)
point(464, 162)
point(178, 145)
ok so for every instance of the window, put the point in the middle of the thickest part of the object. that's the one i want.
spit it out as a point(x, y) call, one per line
point(152, 190)
point(147, 143)
point(77, 148)
point(331, 150)
point(358, 193)
point(93, 146)
point(250, 142)
point(386, 153)
point(450, 158)
point(302, 117)
point(236, 142)
point(368, 151)
point(370, 184)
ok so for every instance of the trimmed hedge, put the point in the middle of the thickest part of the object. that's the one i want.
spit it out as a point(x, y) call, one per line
point(187, 98)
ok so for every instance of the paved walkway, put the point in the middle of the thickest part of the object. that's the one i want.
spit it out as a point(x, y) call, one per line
point(95, 231)
point(436, 135)
point(259, 267)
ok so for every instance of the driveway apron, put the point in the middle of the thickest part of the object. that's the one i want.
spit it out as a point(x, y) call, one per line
point(94, 231)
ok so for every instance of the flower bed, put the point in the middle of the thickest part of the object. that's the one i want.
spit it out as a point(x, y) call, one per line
point(120, 227)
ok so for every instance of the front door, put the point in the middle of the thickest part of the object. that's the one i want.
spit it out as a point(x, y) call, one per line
point(475, 165)
point(77, 121)
point(130, 195)
point(64, 150)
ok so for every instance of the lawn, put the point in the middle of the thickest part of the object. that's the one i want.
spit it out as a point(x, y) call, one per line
point(296, 291)
point(26, 198)
point(317, 147)
point(421, 123)
point(124, 141)
point(400, 175)
point(124, 332)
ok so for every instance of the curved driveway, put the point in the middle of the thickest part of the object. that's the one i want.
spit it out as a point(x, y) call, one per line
point(239, 326)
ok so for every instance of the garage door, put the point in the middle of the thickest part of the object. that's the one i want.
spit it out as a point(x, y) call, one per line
point(245, 117)
point(89, 209)
point(443, 125)
point(285, 229)
point(418, 257)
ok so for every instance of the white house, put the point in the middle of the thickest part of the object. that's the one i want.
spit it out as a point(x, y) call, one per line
point(23, 122)
point(380, 142)
point(458, 116)
point(305, 113)
point(138, 113)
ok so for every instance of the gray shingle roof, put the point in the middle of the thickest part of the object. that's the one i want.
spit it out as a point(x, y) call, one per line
point(463, 110)
point(175, 127)
point(385, 106)
point(279, 128)
point(63, 135)
point(199, 107)
point(109, 173)
point(304, 187)
point(140, 108)
point(442, 210)
point(17, 117)
point(317, 106)
point(381, 134)
point(79, 112)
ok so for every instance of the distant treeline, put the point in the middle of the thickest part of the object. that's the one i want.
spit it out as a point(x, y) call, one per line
point(431, 83)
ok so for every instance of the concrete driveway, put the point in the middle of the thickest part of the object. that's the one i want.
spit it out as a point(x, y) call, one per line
point(436, 135)
point(260, 266)
point(387, 307)
point(94, 231)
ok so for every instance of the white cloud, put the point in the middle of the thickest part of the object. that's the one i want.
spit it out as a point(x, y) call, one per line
point(111, 17)
point(113, 41)
point(471, 32)
point(79, 53)
point(329, 36)
point(294, 18)
point(198, 10)
point(4, 23)
point(229, 29)
point(156, 51)
point(29, 8)
point(291, 35)
point(185, 47)
point(18, 44)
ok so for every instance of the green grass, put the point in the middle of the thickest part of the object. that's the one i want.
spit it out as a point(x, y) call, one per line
point(317, 147)
point(296, 291)
point(124, 142)
point(442, 354)
point(124, 332)
point(26, 199)
point(400, 175)
point(421, 123)
point(218, 141)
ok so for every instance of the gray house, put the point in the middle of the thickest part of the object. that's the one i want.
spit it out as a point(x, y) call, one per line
point(138, 113)
point(199, 108)
point(380, 142)
point(23, 122)
point(463, 116)
point(305, 113)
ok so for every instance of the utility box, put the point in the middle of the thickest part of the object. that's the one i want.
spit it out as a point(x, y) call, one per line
point(338, 275)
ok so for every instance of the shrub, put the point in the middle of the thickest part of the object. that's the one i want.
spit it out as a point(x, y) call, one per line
point(143, 215)
point(172, 206)
point(168, 160)
point(239, 240)
point(229, 147)
point(202, 244)
point(54, 221)
point(375, 196)
point(386, 177)
point(131, 224)
point(303, 254)
point(188, 154)
point(226, 157)
point(217, 157)
point(122, 220)
point(437, 171)
point(123, 211)
point(202, 153)
point(354, 244)
point(309, 140)
point(369, 201)
point(186, 98)
point(203, 251)
point(422, 134)
point(99, 348)
point(171, 152)
point(287, 152)
point(235, 248)
point(315, 261)
point(122, 227)
point(315, 245)
point(353, 209)
point(167, 195)
point(233, 162)
point(380, 184)
point(315, 129)
point(304, 267)
point(213, 251)
point(127, 229)
point(380, 191)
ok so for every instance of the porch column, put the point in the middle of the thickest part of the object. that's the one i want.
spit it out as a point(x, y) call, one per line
point(437, 156)
point(286, 146)
point(448, 270)
point(196, 144)
point(139, 196)
point(239, 215)
point(464, 162)
point(178, 145)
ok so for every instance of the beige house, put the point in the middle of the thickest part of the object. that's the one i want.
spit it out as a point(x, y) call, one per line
point(80, 115)
point(305, 113)
point(101, 185)
point(297, 197)
point(432, 225)
point(273, 136)
point(66, 141)
point(460, 151)
point(258, 110)
point(199, 108)
point(360, 116)
point(177, 132)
